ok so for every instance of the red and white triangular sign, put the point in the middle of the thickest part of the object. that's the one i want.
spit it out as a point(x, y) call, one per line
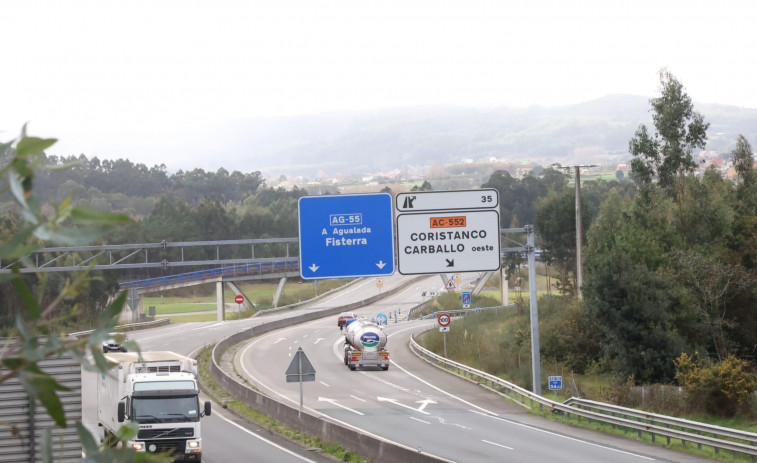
point(451, 284)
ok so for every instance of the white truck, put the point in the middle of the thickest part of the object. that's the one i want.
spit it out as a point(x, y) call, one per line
point(160, 392)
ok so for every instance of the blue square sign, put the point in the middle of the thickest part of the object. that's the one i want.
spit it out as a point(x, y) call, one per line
point(346, 236)
point(555, 383)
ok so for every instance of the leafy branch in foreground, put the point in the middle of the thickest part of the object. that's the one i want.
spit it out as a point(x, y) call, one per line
point(36, 334)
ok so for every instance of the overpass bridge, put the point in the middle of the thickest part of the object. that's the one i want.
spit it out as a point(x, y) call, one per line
point(235, 260)
point(223, 276)
point(247, 259)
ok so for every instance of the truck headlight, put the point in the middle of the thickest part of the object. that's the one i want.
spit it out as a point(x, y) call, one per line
point(138, 446)
point(193, 446)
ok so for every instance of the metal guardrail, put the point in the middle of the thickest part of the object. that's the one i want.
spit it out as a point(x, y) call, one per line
point(129, 327)
point(301, 303)
point(463, 312)
point(704, 434)
point(235, 270)
point(653, 418)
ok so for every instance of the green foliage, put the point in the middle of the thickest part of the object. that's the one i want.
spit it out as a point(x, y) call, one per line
point(723, 388)
point(668, 154)
point(569, 333)
point(36, 336)
point(517, 198)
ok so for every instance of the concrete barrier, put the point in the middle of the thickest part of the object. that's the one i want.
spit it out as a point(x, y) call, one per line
point(367, 446)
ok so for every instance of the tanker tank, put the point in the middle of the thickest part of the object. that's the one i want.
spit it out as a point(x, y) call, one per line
point(365, 345)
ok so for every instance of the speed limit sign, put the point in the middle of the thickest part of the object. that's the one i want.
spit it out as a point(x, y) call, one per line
point(443, 319)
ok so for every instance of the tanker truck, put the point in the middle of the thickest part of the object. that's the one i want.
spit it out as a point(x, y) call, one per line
point(364, 344)
point(159, 391)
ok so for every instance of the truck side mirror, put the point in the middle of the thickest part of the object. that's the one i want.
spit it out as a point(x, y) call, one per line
point(207, 408)
point(121, 412)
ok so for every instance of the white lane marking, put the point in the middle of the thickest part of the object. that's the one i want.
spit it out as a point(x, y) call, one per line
point(498, 445)
point(324, 383)
point(358, 398)
point(279, 340)
point(296, 341)
point(215, 412)
point(334, 402)
point(418, 419)
point(318, 340)
point(377, 378)
point(564, 437)
point(305, 336)
point(394, 362)
point(397, 402)
point(315, 412)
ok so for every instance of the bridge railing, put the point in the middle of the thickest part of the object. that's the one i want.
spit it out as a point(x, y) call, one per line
point(270, 266)
point(659, 425)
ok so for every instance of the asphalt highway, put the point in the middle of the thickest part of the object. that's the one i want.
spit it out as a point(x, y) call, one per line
point(418, 405)
point(224, 437)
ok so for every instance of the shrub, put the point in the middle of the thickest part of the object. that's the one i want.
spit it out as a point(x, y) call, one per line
point(723, 388)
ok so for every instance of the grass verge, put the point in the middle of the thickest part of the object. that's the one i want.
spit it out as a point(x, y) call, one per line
point(646, 437)
point(228, 402)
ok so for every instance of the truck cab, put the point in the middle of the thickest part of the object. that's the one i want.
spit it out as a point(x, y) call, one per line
point(161, 394)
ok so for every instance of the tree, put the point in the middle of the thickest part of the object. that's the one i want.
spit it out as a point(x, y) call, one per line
point(36, 335)
point(668, 153)
point(743, 162)
point(424, 187)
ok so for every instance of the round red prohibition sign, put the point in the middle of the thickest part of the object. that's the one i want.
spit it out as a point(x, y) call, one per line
point(443, 319)
point(239, 299)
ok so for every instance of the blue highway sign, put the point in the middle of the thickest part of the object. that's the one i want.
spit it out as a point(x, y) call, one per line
point(555, 383)
point(346, 236)
point(466, 299)
point(381, 319)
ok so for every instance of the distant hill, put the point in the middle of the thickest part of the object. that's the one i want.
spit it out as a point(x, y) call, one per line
point(350, 143)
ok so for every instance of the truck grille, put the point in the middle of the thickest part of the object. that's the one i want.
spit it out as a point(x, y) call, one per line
point(175, 446)
point(151, 433)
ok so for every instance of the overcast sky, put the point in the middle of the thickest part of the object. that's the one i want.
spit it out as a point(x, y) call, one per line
point(145, 79)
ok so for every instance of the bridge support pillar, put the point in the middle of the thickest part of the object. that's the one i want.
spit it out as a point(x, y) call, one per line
point(133, 300)
point(279, 291)
point(220, 305)
point(481, 283)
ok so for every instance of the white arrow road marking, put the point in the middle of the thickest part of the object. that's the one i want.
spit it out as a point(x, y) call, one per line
point(318, 340)
point(380, 264)
point(397, 402)
point(279, 340)
point(334, 402)
point(313, 268)
point(424, 403)
point(498, 445)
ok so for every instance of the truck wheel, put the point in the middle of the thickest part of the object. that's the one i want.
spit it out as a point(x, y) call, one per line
point(385, 367)
point(345, 360)
point(353, 367)
point(105, 350)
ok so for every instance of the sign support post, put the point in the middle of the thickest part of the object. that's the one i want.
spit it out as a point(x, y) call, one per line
point(300, 370)
point(444, 320)
point(299, 361)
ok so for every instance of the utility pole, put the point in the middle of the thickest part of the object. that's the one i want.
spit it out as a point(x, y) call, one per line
point(579, 228)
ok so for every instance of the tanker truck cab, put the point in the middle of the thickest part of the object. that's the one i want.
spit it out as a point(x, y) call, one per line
point(160, 393)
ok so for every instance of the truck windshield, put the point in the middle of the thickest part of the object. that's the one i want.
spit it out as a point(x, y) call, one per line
point(165, 409)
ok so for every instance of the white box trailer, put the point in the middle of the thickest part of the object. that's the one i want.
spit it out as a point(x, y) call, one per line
point(159, 391)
